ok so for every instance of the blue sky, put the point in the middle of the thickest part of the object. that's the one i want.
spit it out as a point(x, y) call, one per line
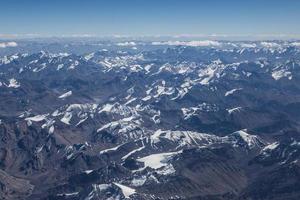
point(149, 17)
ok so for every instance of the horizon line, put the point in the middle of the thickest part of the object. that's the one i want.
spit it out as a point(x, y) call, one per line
point(293, 36)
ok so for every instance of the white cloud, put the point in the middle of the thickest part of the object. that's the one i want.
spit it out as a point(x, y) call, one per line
point(297, 44)
point(248, 45)
point(126, 44)
point(202, 43)
point(270, 44)
point(8, 44)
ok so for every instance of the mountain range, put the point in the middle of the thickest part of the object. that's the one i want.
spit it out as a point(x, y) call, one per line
point(148, 120)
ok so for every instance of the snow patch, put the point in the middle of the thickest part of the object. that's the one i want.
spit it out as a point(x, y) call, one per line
point(65, 95)
point(37, 118)
point(66, 118)
point(156, 161)
point(281, 73)
point(230, 92)
point(127, 191)
point(88, 171)
point(232, 110)
point(110, 149)
point(271, 146)
point(139, 181)
point(132, 152)
point(13, 83)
